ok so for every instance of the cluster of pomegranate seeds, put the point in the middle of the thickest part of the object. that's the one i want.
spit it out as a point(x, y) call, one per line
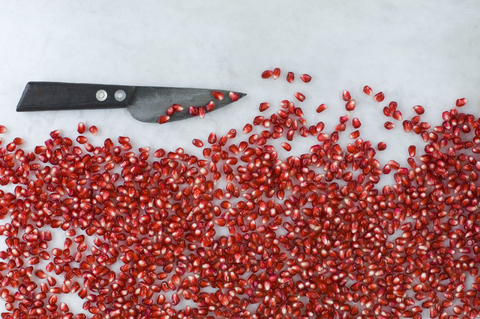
point(245, 232)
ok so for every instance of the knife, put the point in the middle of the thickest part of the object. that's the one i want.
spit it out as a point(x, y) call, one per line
point(145, 103)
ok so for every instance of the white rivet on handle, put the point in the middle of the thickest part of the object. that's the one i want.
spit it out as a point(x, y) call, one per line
point(101, 95)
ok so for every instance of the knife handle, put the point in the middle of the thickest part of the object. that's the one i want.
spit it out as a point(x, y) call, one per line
point(49, 96)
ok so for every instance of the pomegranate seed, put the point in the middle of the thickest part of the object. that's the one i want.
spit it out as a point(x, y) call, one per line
point(346, 96)
point(93, 130)
point(354, 134)
point(392, 106)
point(178, 107)
point(356, 122)
point(389, 125)
point(300, 96)
point(264, 106)
point(321, 108)
point(461, 102)
point(276, 73)
point(411, 150)
point(233, 96)
point(367, 90)
point(418, 109)
point(305, 78)
point(217, 95)
point(201, 112)
point(159, 153)
point(267, 74)
point(197, 142)
point(18, 141)
point(290, 77)
point(350, 105)
point(387, 111)
point(379, 97)
point(247, 128)
point(3, 129)
point(397, 115)
point(170, 111)
point(163, 119)
point(212, 138)
point(344, 118)
point(81, 128)
point(381, 146)
point(286, 146)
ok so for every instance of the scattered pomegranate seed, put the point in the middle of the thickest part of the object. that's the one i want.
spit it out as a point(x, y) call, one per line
point(346, 96)
point(3, 129)
point(276, 73)
point(233, 96)
point(93, 130)
point(418, 109)
point(350, 105)
point(321, 108)
point(210, 106)
point(18, 141)
point(264, 106)
point(381, 146)
point(415, 120)
point(356, 122)
point(300, 96)
point(407, 126)
point(354, 134)
point(379, 97)
point(367, 90)
point(305, 78)
point(201, 112)
point(267, 74)
point(411, 150)
point(163, 119)
point(81, 128)
point(197, 142)
point(286, 146)
point(393, 106)
point(217, 95)
point(193, 111)
point(387, 111)
point(290, 77)
point(389, 125)
point(170, 111)
point(397, 115)
point(461, 102)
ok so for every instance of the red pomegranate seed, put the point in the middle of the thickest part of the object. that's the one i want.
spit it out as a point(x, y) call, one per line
point(415, 120)
point(286, 146)
point(247, 128)
point(3, 129)
point(411, 150)
point(82, 139)
point(393, 106)
point(81, 128)
point(267, 74)
point(159, 153)
point(389, 125)
point(356, 122)
point(354, 134)
point(264, 106)
point(276, 73)
point(350, 105)
point(461, 102)
point(201, 112)
point(305, 78)
point(344, 118)
point(321, 108)
point(346, 95)
point(233, 96)
point(290, 77)
point(387, 111)
point(163, 119)
point(93, 130)
point(178, 107)
point(18, 141)
point(170, 111)
point(367, 90)
point(300, 96)
point(381, 146)
point(418, 109)
point(197, 142)
point(397, 115)
point(379, 97)
point(212, 138)
point(217, 95)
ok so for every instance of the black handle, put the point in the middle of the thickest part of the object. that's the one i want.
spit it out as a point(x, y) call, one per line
point(48, 96)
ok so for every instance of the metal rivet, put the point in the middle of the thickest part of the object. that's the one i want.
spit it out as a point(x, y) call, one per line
point(120, 95)
point(101, 95)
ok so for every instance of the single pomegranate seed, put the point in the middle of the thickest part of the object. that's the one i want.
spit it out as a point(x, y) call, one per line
point(379, 97)
point(210, 106)
point(123, 139)
point(267, 74)
point(247, 128)
point(159, 153)
point(217, 95)
point(93, 130)
point(381, 146)
point(393, 106)
point(418, 109)
point(356, 122)
point(264, 106)
point(81, 128)
point(163, 119)
point(461, 102)
point(397, 115)
point(286, 146)
point(321, 108)
point(407, 126)
point(178, 107)
point(18, 141)
point(170, 111)
point(305, 78)
point(346, 95)
point(276, 73)
point(354, 134)
point(389, 125)
point(367, 90)
point(350, 105)
point(3, 129)
point(233, 96)
point(415, 120)
point(82, 139)
point(193, 111)
point(411, 150)
point(197, 142)
point(201, 112)
point(387, 111)
point(290, 77)
point(300, 96)
point(344, 118)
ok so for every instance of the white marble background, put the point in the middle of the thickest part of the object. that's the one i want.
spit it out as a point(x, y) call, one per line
point(417, 52)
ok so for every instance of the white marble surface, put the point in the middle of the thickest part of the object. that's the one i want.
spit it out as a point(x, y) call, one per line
point(417, 52)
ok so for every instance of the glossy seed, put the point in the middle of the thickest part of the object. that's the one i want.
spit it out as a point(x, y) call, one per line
point(367, 90)
point(305, 78)
point(350, 105)
point(387, 111)
point(93, 130)
point(81, 128)
point(201, 112)
point(389, 125)
point(3, 129)
point(397, 115)
point(217, 95)
point(418, 109)
point(300, 96)
point(193, 111)
point(264, 106)
point(354, 134)
point(290, 77)
point(381, 146)
point(356, 122)
point(18, 141)
point(411, 150)
point(461, 102)
point(346, 95)
point(163, 119)
point(233, 96)
point(276, 73)
point(321, 108)
point(407, 126)
point(210, 106)
point(379, 97)
point(286, 146)
point(197, 142)
point(267, 74)
point(247, 128)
